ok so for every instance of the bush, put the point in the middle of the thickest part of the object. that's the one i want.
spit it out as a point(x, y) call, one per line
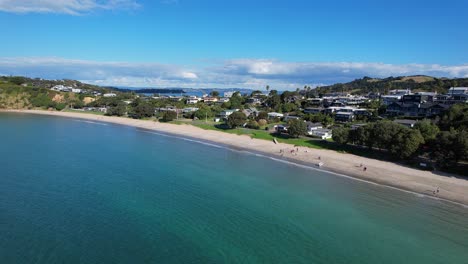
point(253, 124)
point(262, 122)
point(297, 128)
point(169, 116)
point(236, 119)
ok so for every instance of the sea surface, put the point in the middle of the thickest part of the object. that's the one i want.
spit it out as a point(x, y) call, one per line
point(74, 191)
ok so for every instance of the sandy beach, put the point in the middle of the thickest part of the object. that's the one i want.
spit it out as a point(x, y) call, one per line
point(390, 174)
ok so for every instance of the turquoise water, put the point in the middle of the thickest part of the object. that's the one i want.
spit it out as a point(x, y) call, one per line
point(77, 192)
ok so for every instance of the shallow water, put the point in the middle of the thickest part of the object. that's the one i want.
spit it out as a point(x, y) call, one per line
point(79, 192)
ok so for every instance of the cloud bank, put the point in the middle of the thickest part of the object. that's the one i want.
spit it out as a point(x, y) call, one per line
point(239, 73)
point(71, 7)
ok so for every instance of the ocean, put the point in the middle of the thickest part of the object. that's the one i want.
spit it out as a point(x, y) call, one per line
point(74, 191)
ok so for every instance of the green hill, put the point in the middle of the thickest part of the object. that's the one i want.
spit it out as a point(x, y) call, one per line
point(418, 83)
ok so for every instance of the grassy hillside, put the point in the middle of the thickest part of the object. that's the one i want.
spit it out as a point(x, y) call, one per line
point(417, 83)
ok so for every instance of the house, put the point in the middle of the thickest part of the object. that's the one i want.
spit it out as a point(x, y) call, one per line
point(109, 95)
point(210, 99)
point(223, 100)
point(312, 110)
point(229, 94)
point(193, 100)
point(344, 116)
point(406, 122)
point(189, 110)
point(457, 90)
point(253, 101)
point(76, 90)
point(322, 133)
point(428, 109)
point(226, 113)
point(274, 115)
point(250, 111)
point(287, 118)
point(362, 112)
point(313, 126)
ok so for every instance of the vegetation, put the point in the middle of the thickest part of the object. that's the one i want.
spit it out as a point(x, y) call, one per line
point(415, 83)
point(297, 128)
point(236, 119)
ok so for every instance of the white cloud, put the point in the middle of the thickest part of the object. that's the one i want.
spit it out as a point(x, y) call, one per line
point(72, 7)
point(239, 73)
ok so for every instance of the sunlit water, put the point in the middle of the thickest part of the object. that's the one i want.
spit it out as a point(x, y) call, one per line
point(80, 192)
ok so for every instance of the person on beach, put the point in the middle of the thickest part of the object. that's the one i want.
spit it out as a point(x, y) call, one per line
point(437, 189)
point(319, 158)
point(365, 168)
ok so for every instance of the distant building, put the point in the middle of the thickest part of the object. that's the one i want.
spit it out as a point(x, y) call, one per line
point(193, 100)
point(229, 94)
point(287, 118)
point(109, 95)
point(76, 90)
point(458, 90)
point(406, 122)
point(226, 113)
point(272, 115)
point(344, 116)
point(322, 133)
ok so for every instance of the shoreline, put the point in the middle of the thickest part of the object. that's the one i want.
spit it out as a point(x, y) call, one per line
point(452, 188)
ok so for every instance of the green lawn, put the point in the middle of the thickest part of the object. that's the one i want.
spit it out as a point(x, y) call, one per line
point(83, 112)
point(262, 134)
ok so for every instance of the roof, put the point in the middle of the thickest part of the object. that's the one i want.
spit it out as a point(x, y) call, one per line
point(405, 121)
point(311, 124)
point(344, 113)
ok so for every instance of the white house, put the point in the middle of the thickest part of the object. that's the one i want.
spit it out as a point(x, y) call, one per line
point(193, 100)
point(321, 133)
point(287, 118)
point(226, 113)
point(458, 90)
point(313, 126)
point(275, 115)
point(109, 95)
point(76, 90)
point(229, 94)
point(189, 110)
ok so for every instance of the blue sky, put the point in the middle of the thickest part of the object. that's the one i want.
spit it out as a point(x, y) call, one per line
point(206, 43)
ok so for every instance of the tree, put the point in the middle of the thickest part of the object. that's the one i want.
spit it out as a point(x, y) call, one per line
point(203, 113)
point(142, 110)
point(169, 116)
point(214, 93)
point(236, 101)
point(253, 124)
point(428, 130)
point(456, 117)
point(341, 135)
point(262, 122)
point(450, 147)
point(236, 119)
point(262, 115)
point(297, 128)
point(119, 110)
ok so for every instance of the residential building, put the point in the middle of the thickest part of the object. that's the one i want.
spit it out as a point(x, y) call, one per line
point(344, 116)
point(406, 122)
point(274, 115)
point(322, 133)
point(226, 113)
point(109, 95)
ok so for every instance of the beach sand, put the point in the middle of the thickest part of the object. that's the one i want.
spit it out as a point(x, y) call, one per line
point(452, 188)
